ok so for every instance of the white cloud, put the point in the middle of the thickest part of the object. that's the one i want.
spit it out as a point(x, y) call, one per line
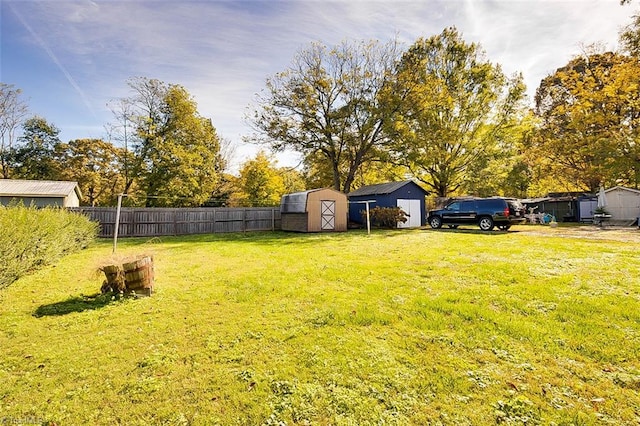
point(222, 51)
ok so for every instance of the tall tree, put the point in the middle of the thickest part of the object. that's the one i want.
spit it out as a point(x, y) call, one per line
point(453, 110)
point(95, 165)
point(183, 154)
point(261, 182)
point(506, 172)
point(33, 156)
point(13, 111)
point(176, 159)
point(122, 131)
point(327, 105)
point(590, 112)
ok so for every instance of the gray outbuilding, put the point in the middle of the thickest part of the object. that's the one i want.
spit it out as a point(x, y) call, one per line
point(40, 193)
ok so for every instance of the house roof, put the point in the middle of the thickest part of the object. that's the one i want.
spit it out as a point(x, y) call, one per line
point(37, 188)
point(382, 188)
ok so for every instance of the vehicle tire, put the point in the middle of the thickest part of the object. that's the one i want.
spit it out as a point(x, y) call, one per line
point(453, 226)
point(435, 222)
point(486, 223)
point(504, 227)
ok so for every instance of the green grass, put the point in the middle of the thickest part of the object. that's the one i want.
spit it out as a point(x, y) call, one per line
point(537, 326)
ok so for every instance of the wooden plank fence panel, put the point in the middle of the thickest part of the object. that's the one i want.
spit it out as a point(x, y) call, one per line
point(156, 222)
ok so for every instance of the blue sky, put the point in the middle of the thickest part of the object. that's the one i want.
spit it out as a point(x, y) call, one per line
point(71, 58)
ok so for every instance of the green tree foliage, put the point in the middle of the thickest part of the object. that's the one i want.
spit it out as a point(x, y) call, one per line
point(176, 151)
point(261, 182)
point(33, 157)
point(13, 111)
point(326, 106)
point(506, 172)
point(224, 193)
point(589, 112)
point(95, 165)
point(292, 179)
point(317, 173)
point(454, 111)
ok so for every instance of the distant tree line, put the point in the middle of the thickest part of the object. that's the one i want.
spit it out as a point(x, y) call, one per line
point(442, 113)
point(439, 112)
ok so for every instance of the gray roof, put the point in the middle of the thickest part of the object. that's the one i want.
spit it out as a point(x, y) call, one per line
point(296, 202)
point(37, 188)
point(381, 188)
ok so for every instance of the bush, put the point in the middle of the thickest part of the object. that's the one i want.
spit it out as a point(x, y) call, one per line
point(385, 217)
point(32, 238)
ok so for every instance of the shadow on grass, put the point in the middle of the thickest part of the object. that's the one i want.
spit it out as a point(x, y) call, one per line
point(75, 304)
point(493, 232)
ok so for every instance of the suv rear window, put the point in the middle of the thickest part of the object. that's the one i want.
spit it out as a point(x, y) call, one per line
point(468, 206)
point(492, 204)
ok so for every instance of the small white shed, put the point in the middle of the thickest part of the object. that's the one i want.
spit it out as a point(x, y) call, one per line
point(623, 203)
point(40, 193)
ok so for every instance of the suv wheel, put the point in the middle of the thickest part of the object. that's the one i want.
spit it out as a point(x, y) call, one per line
point(485, 223)
point(435, 222)
point(504, 227)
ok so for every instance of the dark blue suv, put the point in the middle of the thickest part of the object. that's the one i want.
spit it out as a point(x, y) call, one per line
point(486, 213)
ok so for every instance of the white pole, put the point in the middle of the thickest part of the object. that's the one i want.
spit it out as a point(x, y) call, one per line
point(117, 225)
point(366, 203)
point(368, 221)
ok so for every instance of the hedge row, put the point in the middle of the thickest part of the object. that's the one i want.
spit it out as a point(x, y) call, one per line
point(31, 238)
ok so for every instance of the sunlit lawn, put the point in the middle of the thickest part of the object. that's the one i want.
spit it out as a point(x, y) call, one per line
point(536, 326)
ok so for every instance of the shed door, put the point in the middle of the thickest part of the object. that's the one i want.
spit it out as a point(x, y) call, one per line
point(328, 213)
point(586, 209)
point(413, 211)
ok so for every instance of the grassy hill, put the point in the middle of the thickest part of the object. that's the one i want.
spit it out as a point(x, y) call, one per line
point(536, 326)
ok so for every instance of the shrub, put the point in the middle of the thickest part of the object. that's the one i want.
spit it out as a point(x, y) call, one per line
point(385, 217)
point(32, 238)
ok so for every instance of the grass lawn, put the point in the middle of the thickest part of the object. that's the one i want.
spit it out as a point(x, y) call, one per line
point(453, 327)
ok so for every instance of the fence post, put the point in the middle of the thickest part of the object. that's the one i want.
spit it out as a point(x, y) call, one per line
point(134, 223)
point(244, 220)
point(175, 222)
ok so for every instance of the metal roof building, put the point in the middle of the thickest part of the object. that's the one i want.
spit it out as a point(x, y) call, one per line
point(407, 195)
point(40, 193)
point(316, 210)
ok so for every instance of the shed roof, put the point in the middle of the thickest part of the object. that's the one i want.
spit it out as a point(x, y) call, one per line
point(547, 199)
point(38, 188)
point(382, 188)
point(296, 202)
point(622, 188)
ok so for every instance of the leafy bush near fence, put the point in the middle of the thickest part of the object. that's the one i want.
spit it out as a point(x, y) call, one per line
point(386, 217)
point(31, 238)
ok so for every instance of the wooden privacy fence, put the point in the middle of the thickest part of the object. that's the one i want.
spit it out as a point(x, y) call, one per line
point(156, 222)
